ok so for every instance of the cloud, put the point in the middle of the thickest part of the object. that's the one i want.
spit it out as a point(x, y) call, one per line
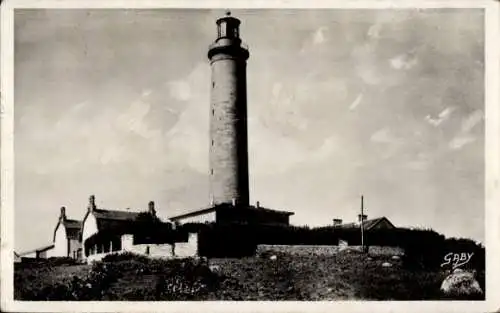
point(472, 120)
point(460, 141)
point(383, 135)
point(356, 102)
point(187, 140)
point(464, 137)
point(113, 154)
point(272, 152)
point(180, 90)
point(319, 36)
point(374, 31)
point(403, 62)
point(328, 147)
point(133, 119)
point(284, 110)
point(443, 116)
point(419, 162)
point(276, 92)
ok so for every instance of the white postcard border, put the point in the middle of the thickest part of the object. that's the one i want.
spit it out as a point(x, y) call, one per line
point(492, 164)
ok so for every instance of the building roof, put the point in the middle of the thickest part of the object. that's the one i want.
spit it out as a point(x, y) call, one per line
point(116, 215)
point(41, 249)
point(123, 222)
point(73, 228)
point(117, 221)
point(45, 248)
point(367, 224)
point(226, 206)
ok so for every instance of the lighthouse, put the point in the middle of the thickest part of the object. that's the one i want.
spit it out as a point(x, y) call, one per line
point(228, 156)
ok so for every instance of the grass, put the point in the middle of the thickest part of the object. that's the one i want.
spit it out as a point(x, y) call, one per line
point(345, 276)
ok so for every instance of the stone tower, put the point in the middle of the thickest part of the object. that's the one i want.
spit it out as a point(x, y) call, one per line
point(228, 115)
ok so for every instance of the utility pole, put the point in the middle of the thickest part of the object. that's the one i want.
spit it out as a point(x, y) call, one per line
point(361, 225)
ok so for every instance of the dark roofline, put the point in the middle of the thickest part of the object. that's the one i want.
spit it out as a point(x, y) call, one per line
point(44, 248)
point(67, 220)
point(222, 206)
point(373, 221)
point(381, 219)
point(193, 213)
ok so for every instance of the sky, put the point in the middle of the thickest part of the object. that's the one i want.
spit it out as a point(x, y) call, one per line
point(384, 103)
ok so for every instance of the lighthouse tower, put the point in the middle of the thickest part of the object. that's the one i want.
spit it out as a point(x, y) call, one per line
point(228, 115)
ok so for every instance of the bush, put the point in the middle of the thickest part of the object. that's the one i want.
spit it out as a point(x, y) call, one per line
point(424, 248)
point(124, 256)
point(178, 279)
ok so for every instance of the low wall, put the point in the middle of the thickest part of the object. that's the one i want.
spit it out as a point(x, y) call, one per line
point(327, 250)
point(187, 249)
point(178, 250)
point(299, 249)
point(155, 250)
point(99, 256)
point(382, 250)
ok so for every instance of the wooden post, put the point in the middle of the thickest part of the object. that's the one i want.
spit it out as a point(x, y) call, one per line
point(362, 228)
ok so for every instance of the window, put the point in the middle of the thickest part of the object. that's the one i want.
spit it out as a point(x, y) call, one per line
point(223, 29)
point(213, 84)
point(211, 171)
point(212, 142)
point(213, 112)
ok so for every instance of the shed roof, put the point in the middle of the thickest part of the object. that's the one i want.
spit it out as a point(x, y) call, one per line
point(41, 249)
point(225, 206)
point(367, 224)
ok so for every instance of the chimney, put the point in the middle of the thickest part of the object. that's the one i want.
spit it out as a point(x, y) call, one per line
point(364, 217)
point(151, 208)
point(257, 204)
point(62, 217)
point(337, 222)
point(91, 206)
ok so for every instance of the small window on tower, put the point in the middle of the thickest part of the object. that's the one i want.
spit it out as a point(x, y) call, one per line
point(213, 84)
point(212, 142)
point(211, 171)
point(213, 112)
point(223, 29)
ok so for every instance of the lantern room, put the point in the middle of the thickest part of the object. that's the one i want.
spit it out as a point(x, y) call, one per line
point(228, 27)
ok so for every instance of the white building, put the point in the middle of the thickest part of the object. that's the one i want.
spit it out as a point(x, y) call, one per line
point(67, 241)
point(112, 231)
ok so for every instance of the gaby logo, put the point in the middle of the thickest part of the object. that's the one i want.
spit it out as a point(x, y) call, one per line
point(457, 259)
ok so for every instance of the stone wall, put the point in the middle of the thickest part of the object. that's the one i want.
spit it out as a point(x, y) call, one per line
point(153, 250)
point(299, 249)
point(187, 249)
point(326, 250)
point(379, 250)
point(178, 250)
